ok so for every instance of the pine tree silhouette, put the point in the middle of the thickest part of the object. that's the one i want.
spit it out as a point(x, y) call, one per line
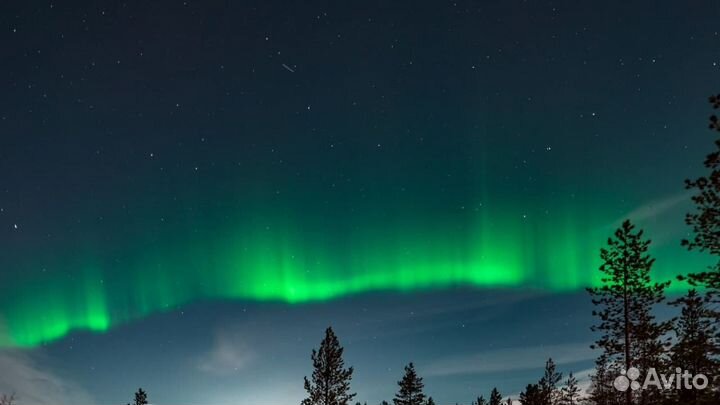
point(625, 300)
point(495, 397)
point(548, 383)
point(330, 383)
point(411, 388)
point(430, 401)
point(532, 395)
point(705, 223)
point(694, 350)
point(602, 391)
point(480, 401)
point(140, 397)
point(571, 391)
point(705, 220)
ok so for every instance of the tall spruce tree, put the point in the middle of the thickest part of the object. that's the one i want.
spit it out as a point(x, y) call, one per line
point(411, 388)
point(625, 299)
point(480, 401)
point(694, 350)
point(548, 383)
point(330, 383)
point(705, 220)
point(571, 391)
point(495, 397)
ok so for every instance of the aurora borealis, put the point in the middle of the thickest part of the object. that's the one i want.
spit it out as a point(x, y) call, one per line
point(192, 191)
point(278, 263)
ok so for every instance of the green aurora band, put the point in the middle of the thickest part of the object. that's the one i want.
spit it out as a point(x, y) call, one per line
point(297, 265)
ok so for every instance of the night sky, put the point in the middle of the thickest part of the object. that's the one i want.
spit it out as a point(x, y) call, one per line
point(191, 192)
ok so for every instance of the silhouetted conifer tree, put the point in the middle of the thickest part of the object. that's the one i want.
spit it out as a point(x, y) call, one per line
point(480, 401)
point(330, 383)
point(548, 383)
point(140, 397)
point(430, 401)
point(495, 397)
point(694, 349)
point(571, 391)
point(532, 395)
point(625, 300)
point(411, 388)
point(705, 220)
point(602, 391)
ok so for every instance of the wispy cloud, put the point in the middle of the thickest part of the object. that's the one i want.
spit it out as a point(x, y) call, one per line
point(584, 381)
point(33, 384)
point(229, 354)
point(658, 207)
point(510, 359)
point(439, 314)
point(663, 216)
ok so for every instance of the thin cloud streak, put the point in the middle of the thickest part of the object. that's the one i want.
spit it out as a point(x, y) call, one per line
point(658, 207)
point(510, 359)
point(21, 373)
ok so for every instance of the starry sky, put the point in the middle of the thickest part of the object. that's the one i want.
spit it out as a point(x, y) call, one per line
point(190, 192)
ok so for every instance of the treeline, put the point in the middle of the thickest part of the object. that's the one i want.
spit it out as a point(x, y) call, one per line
point(329, 383)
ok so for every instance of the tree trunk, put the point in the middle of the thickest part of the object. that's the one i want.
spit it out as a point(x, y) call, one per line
point(626, 314)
